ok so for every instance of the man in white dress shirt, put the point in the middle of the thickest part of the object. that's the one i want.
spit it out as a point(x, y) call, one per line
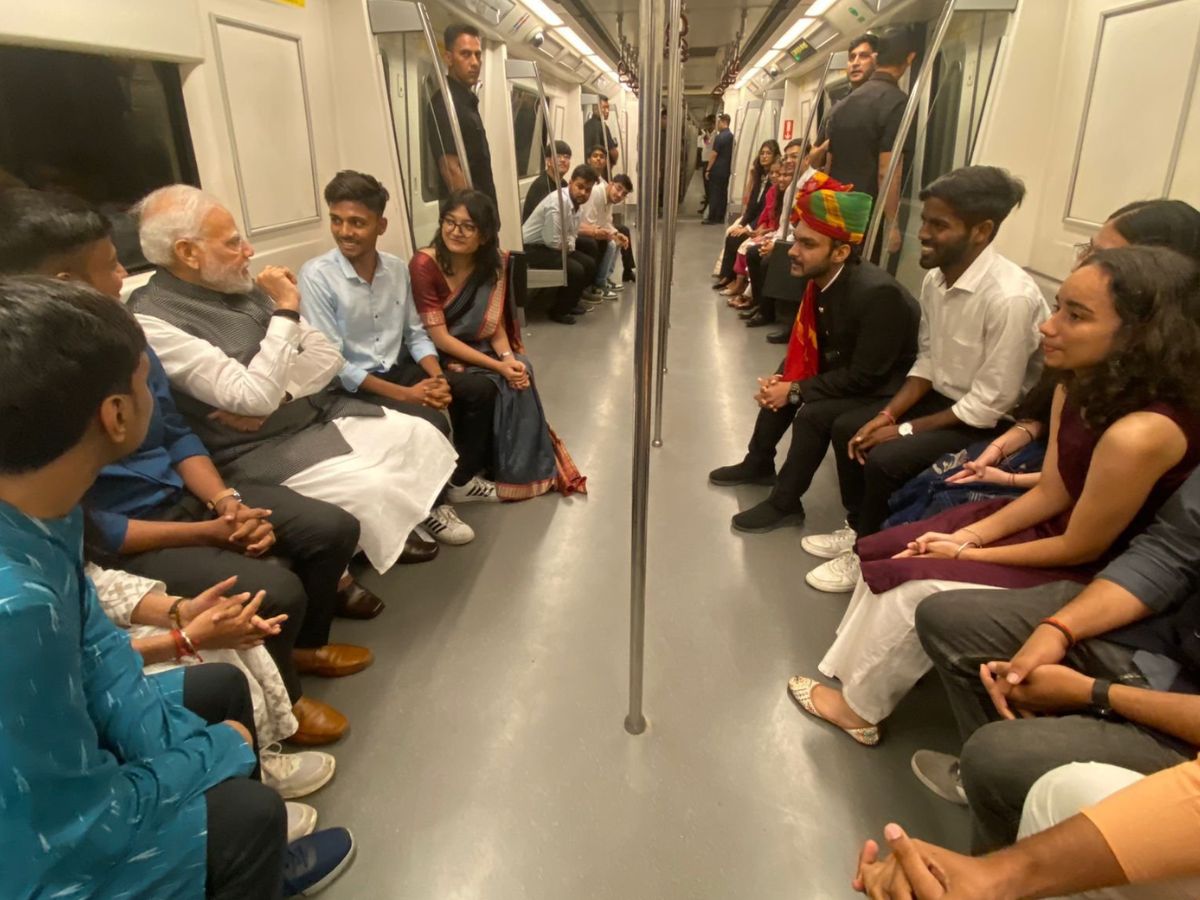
point(545, 232)
point(978, 352)
point(251, 376)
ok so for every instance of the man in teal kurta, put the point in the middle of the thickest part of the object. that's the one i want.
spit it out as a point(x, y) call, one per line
point(103, 780)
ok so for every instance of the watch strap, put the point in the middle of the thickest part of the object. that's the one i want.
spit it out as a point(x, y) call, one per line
point(1100, 702)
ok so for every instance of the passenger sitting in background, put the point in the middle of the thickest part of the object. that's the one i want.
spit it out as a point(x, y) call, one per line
point(767, 292)
point(165, 512)
point(360, 298)
point(1125, 433)
point(768, 221)
point(546, 234)
point(977, 355)
point(461, 288)
point(225, 345)
point(558, 164)
point(854, 339)
point(757, 185)
point(1011, 463)
point(597, 223)
point(135, 795)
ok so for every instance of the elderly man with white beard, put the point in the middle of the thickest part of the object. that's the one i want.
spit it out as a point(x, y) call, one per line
point(251, 377)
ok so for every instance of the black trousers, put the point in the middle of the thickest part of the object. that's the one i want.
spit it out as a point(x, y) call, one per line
point(471, 412)
point(317, 538)
point(867, 488)
point(247, 838)
point(756, 267)
point(1001, 760)
point(218, 692)
point(581, 271)
point(718, 196)
point(627, 263)
point(729, 256)
point(812, 430)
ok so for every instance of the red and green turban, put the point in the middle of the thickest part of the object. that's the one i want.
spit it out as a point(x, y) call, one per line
point(833, 208)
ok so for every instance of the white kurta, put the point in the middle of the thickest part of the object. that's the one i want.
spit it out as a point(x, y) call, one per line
point(397, 466)
point(120, 592)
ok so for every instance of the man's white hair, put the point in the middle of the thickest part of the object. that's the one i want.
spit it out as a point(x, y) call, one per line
point(172, 213)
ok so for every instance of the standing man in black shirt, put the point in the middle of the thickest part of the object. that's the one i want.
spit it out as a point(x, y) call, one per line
point(596, 133)
point(464, 59)
point(720, 168)
point(863, 128)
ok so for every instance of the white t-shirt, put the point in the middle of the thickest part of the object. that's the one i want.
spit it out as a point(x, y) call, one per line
point(597, 212)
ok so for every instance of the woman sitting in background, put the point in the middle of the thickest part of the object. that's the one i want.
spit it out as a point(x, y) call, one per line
point(1125, 433)
point(765, 226)
point(1009, 465)
point(757, 185)
point(461, 289)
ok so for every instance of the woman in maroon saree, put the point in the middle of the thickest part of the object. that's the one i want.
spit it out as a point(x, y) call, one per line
point(461, 287)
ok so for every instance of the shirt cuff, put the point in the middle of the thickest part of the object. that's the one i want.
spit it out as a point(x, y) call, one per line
point(971, 412)
point(288, 329)
point(921, 369)
point(352, 377)
point(112, 528)
point(187, 447)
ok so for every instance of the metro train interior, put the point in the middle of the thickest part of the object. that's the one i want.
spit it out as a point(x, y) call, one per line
point(591, 699)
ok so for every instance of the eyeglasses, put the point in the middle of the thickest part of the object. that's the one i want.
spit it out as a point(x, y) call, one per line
point(466, 229)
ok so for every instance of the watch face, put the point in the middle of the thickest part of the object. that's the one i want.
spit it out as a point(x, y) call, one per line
point(906, 429)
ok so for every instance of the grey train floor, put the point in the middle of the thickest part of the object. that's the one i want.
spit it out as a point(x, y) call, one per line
point(487, 757)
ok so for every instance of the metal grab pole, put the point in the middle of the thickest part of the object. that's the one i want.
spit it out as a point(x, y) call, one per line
point(651, 21)
point(670, 205)
point(910, 113)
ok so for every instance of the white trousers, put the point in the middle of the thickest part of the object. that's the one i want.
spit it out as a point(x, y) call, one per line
point(389, 481)
point(1063, 792)
point(877, 655)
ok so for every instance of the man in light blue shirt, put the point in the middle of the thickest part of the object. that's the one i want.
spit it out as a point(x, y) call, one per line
point(361, 299)
point(545, 232)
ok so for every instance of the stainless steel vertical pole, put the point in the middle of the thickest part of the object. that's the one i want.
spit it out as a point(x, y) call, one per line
point(670, 202)
point(910, 112)
point(651, 21)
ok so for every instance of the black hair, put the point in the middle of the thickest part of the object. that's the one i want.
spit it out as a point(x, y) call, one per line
point(1160, 223)
point(759, 170)
point(357, 187)
point(64, 348)
point(561, 148)
point(724, 116)
point(37, 226)
point(587, 173)
point(599, 147)
point(978, 194)
point(602, 98)
point(482, 211)
point(893, 46)
point(455, 30)
point(794, 142)
point(865, 38)
point(1156, 292)
point(624, 181)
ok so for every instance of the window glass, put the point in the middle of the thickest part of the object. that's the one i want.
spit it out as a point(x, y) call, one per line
point(527, 120)
point(109, 129)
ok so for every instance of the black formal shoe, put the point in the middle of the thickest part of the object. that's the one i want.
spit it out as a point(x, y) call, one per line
point(758, 320)
point(748, 313)
point(563, 318)
point(710, 222)
point(766, 517)
point(580, 309)
point(356, 602)
point(742, 473)
point(417, 550)
point(778, 337)
point(628, 277)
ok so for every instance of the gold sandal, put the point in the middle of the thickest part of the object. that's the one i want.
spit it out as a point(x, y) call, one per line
point(801, 689)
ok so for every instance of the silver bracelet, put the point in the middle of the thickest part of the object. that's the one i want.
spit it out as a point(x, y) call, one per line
point(963, 546)
point(506, 354)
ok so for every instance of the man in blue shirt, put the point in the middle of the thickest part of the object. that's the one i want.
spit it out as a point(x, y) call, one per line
point(361, 299)
point(720, 168)
point(107, 788)
point(146, 512)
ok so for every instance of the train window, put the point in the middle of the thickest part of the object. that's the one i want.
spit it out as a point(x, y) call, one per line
point(107, 128)
point(527, 117)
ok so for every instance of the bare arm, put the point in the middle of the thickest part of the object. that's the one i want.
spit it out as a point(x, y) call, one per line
point(452, 173)
point(891, 204)
point(452, 346)
point(201, 477)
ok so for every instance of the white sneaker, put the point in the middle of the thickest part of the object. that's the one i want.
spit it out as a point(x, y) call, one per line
point(614, 287)
point(830, 546)
point(477, 490)
point(294, 775)
point(837, 575)
point(301, 820)
point(445, 526)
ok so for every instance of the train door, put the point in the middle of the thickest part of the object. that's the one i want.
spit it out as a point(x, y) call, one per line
point(743, 151)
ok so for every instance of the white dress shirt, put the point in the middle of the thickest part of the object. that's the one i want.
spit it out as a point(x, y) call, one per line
point(293, 358)
point(978, 342)
point(542, 226)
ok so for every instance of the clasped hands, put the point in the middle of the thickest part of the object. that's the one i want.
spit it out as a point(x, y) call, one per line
point(878, 431)
point(515, 373)
point(248, 528)
point(772, 393)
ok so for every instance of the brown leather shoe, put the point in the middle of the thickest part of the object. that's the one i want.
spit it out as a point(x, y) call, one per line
point(356, 602)
point(417, 550)
point(332, 660)
point(319, 722)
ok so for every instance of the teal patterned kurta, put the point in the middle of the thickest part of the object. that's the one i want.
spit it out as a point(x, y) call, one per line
point(102, 777)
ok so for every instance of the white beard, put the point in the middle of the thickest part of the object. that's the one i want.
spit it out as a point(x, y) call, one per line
point(225, 281)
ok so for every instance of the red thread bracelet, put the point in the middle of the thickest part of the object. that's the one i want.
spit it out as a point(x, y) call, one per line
point(1054, 623)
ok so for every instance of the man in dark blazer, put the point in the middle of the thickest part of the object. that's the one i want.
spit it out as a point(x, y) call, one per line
point(853, 342)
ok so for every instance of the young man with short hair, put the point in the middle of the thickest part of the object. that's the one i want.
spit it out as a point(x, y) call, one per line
point(546, 233)
point(361, 299)
point(718, 171)
point(597, 133)
point(978, 353)
point(553, 177)
point(109, 788)
point(597, 223)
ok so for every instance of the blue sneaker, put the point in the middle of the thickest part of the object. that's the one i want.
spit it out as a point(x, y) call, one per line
point(314, 862)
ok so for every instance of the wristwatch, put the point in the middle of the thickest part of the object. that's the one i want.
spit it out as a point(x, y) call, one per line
point(905, 429)
point(1100, 704)
point(794, 395)
point(223, 496)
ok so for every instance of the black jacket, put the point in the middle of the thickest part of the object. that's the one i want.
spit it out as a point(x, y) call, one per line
point(537, 193)
point(867, 333)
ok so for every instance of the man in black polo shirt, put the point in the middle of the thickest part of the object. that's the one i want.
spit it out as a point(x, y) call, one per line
point(554, 176)
point(1112, 671)
point(464, 58)
point(596, 133)
point(863, 128)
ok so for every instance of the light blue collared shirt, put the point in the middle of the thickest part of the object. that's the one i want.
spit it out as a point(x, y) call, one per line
point(370, 324)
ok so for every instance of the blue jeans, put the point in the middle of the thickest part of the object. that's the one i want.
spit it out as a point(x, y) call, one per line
point(607, 263)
